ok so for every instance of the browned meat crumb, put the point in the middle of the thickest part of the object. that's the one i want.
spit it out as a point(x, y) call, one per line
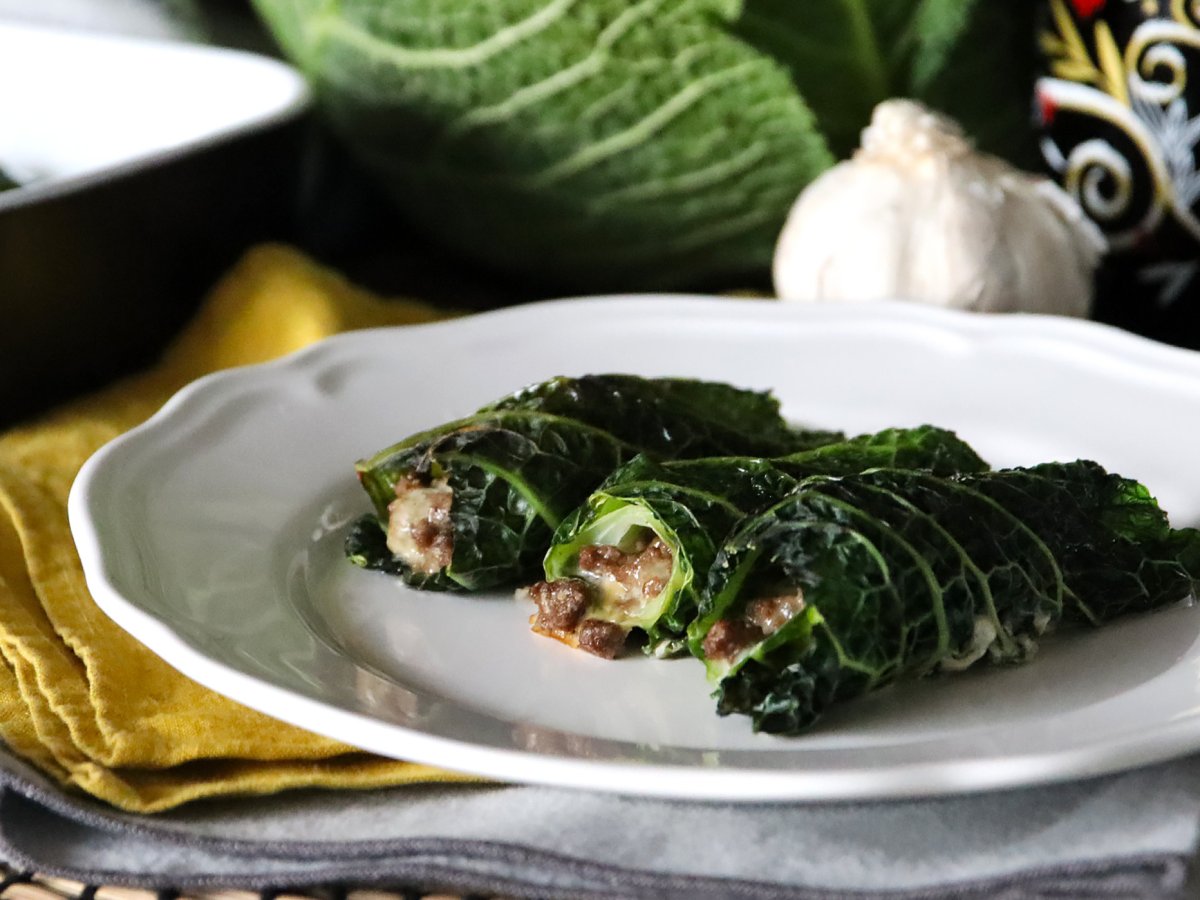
point(729, 637)
point(769, 614)
point(604, 639)
point(561, 604)
point(601, 559)
point(652, 587)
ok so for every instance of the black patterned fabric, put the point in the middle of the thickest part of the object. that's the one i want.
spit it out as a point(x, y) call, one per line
point(1118, 113)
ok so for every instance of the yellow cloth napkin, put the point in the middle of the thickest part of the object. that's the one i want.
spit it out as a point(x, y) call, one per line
point(80, 698)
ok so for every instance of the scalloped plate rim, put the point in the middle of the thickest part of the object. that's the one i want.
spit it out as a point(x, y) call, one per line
point(925, 778)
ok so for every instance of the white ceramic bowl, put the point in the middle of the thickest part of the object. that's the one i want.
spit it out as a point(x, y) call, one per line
point(149, 166)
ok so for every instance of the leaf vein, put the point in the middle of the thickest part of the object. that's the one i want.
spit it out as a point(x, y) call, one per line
point(535, 93)
point(639, 132)
point(443, 57)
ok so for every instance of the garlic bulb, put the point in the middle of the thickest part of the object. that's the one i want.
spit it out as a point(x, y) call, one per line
point(918, 214)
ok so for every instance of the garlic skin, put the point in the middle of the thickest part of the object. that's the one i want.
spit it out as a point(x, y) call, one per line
point(918, 214)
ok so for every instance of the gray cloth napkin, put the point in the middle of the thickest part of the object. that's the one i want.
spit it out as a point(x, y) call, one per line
point(1131, 835)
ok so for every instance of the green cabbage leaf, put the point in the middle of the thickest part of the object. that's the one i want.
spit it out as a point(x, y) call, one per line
point(520, 465)
point(903, 574)
point(692, 505)
point(618, 143)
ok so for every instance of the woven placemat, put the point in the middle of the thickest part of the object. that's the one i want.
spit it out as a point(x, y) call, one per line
point(17, 885)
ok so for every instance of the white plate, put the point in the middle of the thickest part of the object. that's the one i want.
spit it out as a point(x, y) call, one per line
point(213, 534)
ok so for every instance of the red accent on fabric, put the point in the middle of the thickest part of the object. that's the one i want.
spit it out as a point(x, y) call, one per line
point(1088, 8)
point(1047, 109)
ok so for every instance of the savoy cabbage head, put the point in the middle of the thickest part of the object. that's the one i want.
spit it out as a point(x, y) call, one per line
point(609, 143)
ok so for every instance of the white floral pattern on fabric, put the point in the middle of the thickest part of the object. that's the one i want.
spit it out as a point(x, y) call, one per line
point(1119, 131)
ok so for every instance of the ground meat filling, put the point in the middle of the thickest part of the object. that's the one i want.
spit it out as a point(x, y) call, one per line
point(629, 580)
point(613, 580)
point(604, 639)
point(770, 614)
point(561, 604)
point(730, 638)
point(561, 613)
point(419, 528)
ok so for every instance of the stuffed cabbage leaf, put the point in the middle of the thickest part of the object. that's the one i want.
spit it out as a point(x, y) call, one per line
point(472, 505)
point(671, 418)
point(637, 553)
point(852, 583)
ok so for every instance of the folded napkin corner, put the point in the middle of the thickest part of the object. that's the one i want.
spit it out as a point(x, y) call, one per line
point(81, 699)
